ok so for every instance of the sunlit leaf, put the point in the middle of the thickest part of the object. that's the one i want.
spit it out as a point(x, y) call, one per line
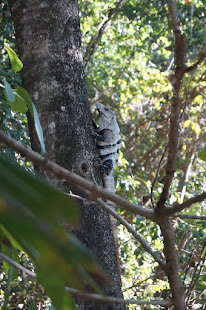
point(187, 123)
point(16, 63)
point(195, 127)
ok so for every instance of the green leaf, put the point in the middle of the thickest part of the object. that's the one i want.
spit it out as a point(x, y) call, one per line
point(32, 211)
point(6, 300)
point(202, 155)
point(38, 129)
point(16, 63)
point(55, 287)
point(26, 97)
point(9, 91)
point(19, 104)
point(4, 232)
point(34, 193)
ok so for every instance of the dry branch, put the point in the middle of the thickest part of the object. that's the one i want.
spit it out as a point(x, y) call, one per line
point(176, 284)
point(187, 204)
point(175, 80)
point(122, 221)
point(191, 217)
point(201, 58)
point(117, 300)
point(89, 296)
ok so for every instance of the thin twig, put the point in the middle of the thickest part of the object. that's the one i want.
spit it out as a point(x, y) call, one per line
point(191, 217)
point(137, 236)
point(87, 295)
point(196, 274)
point(201, 58)
point(187, 204)
point(157, 174)
point(17, 266)
point(122, 221)
point(117, 300)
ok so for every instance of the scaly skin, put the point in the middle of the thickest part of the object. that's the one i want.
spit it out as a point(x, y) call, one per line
point(109, 143)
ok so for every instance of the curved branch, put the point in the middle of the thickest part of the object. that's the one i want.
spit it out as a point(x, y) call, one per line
point(187, 204)
point(117, 300)
point(201, 58)
point(71, 177)
point(122, 221)
point(137, 236)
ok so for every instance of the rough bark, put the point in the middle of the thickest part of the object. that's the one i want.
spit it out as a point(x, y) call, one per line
point(49, 45)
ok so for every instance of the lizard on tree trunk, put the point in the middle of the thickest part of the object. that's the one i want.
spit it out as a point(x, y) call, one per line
point(109, 143)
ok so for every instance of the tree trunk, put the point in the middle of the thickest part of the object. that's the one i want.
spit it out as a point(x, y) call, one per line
point(49, 45)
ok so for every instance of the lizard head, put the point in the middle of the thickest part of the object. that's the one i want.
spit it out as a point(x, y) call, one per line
point(106, 116)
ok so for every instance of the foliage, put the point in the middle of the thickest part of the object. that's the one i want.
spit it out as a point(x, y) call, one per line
point(19, 99)
point(14, 124)
point(131, 71)
point(33, 223)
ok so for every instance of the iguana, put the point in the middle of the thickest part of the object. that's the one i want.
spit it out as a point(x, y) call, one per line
point(108, 144)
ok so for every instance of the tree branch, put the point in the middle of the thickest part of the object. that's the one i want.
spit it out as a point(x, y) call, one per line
point(187, 204)
point(137, 236)
point(87, 295)
point(175, 80)
point(116, 300)
point(17, 266)
point(172, 271)
point(191, 217)
point(201, 58)
point(157, 174)
point(71, 177)
point(122, 221)
point(174, 16)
